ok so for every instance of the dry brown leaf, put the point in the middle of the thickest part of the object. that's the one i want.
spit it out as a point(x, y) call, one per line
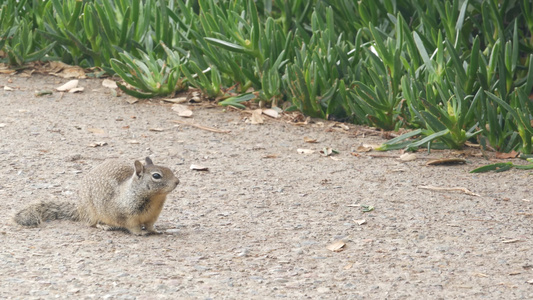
point(373, 146)
point(199, 168)
point(182, 110)
point(97, 144)
point(363, 148)
point(297, 118)
point(185, 114)
point(196, 94)
point(55, 66)
point(4, 68)
point(472, 145)
point(408, 157)
point(310, 140)
point(340, 125)
point(99, 131)
point(68, 86)
point(176, 100)
point(157, 129)
point(256, 117)
point(271, 113)
point(26, 73)
point(446, 161)
point(501, 155)
point(305, 151)
point(108, 83)
point(360, 222)
point(76, 90)
point(337, 246)
point(71, 72)
point(132, 100)
point(63, 70)
point(195, 99)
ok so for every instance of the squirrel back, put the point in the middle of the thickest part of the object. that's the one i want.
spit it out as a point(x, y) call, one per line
point(115, 195)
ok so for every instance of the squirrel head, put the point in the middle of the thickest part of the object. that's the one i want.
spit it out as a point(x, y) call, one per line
point(157, 179)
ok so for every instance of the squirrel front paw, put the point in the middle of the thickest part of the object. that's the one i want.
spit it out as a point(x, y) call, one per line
point(150, 229)
point(142, 230)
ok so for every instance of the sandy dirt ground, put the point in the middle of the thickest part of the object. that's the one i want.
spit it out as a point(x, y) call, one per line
point(258, 224)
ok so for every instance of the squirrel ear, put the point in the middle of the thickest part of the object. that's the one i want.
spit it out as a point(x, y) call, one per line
point(138, 168)
point(148, 161)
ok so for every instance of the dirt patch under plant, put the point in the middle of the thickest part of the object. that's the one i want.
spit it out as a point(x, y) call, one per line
point(261, 223)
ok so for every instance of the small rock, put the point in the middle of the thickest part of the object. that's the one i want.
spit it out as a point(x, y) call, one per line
point(298, 251)
point(257, 278)
point(243, 253)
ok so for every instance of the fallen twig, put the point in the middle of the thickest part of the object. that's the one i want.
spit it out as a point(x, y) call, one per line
point(511, 241)
point(378, 132)
point(201, 126)
point(380, 155)
point(446, 161)
point(454, 189)
point(525, 214)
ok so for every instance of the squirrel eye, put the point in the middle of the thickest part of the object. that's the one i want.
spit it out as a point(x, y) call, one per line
point(156, 176)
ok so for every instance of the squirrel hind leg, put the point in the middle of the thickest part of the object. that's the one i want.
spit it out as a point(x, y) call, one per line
point(137, 230)
point(106, 227)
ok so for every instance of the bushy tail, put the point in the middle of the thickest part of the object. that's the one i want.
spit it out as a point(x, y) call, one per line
point(36, 213)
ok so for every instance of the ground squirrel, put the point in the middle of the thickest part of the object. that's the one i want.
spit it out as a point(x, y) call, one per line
point(114, 195)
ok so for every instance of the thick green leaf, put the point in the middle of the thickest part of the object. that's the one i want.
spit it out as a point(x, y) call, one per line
point(134, 93)
point(226, 45)
point(493, 167)
point(236, 101)
point(423, 52)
